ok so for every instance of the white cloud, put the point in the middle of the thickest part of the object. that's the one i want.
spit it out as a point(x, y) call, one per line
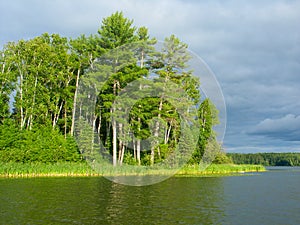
point(285, 128)
point(252, 46)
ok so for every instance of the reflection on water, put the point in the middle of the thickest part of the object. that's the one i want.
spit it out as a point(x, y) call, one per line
point(178, 200)
point(98, 201)
point(264, 198)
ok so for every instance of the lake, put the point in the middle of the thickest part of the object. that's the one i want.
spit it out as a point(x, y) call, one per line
point(271, 197)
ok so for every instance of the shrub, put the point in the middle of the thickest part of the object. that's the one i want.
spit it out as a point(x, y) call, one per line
point(42, 144)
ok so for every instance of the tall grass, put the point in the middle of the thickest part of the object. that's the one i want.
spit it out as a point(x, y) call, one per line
point(84, 169)
point(215, 169)
point(45, 169)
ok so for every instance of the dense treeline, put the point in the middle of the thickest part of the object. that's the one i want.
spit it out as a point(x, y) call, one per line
point(42, 76)
point(266, 159)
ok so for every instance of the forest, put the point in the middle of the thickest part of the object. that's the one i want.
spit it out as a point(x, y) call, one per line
point(266, 159)
point(53, 88)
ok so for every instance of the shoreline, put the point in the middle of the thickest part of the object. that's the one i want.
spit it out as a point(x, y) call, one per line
point(66, 169)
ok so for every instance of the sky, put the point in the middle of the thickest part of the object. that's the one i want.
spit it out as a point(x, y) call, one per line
point(252, 47)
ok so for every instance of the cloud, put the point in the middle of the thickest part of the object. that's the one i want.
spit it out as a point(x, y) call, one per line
point(252, 46)
point(286, 128)
point(258, 149)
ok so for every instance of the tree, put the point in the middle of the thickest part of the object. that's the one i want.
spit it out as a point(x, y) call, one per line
point(7, 80)
point(85, 50)
point(208, 117)
point(167, 85)
point(144, 52)
point(173, 61)
point(116, 31)
point(49, 76)
point(43, 70)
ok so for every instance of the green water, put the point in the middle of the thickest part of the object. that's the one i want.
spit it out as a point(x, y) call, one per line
point(264, 198)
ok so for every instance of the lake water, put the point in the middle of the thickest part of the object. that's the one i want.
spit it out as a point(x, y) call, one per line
point(271, 197)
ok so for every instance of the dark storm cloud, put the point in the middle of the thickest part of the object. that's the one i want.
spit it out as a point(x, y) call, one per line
point(252, 46)
point(286, 128)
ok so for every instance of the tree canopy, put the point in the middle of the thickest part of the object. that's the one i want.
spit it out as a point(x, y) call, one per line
point(41, 99)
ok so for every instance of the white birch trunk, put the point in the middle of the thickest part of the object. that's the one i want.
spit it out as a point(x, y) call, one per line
point(74, 103)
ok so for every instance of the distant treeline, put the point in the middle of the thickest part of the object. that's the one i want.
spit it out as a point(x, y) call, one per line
point(266, 159)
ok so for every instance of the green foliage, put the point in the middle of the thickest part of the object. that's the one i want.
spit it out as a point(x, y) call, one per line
point(9, 135)
point(45, 75)
point(208, 117)
point(38, 145)
point(7, 79)
point(115, 31)
point(222, 158)
point(266, 159)
point(128, 159)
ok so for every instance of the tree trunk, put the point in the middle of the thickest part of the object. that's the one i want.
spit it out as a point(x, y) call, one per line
point(138, 151)
point(65, 117)
point(21, 100)
point(114, 129)
point(134, 150)
point(156, 132)
point(94, 130)
point(56, 115)
point(33, 103)
point(120, 143)
point(142, 59)
point(167, 135)
point(138, 144)
point(122, 154)
point(74, 103)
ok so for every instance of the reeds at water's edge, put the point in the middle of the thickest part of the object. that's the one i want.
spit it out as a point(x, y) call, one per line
point(72, 169)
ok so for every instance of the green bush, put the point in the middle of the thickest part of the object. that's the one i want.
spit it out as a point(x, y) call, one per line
point(128, 159)
point(42, 144)
point(222, 158)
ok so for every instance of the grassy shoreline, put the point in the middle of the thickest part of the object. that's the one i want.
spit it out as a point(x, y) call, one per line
point(220, 169)
point(82, 169)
